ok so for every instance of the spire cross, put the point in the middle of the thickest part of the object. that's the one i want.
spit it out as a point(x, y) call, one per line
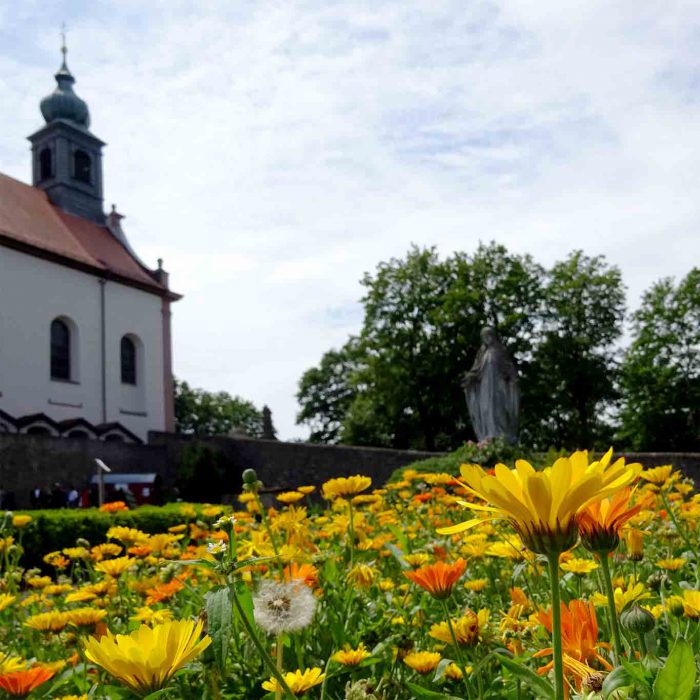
point(64, 50)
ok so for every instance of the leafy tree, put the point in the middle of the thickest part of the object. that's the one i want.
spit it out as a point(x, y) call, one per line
point(326, 392)
point(420, 334)
point(201, 412)
point(573, 374)
point(661, 369)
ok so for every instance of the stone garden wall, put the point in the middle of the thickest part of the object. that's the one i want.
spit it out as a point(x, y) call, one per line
point(30, 461)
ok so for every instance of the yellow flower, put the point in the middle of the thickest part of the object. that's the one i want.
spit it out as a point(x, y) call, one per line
point(39, 581)
point(53, 621)
point(658, 475)
point(108, 549)
point(146, 659)
point(289, 497)
point(351, 657)
point(671, 564)
point(422, 661)
point(6, 600)
point(128, 535)
point(417, 560)
point(466, 630)
point(477, 585)
point(691, 604)
point(542, 506)
point(76, 552)
point(151, 616)
point(345, 486)
point(579, 566)
point(306, 490)
point(454, 672)
point(20, 521)
point(188, 511)
point(85, 617)
point(298, 681)
point(362, 575)
point(115, 567)
point(10, 663)
point(634, 540)
point(623, 598)
point(6, 543)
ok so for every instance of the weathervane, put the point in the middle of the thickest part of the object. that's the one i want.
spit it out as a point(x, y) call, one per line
point(64, 49)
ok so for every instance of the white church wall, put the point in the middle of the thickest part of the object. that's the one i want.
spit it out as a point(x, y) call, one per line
point(33, 292)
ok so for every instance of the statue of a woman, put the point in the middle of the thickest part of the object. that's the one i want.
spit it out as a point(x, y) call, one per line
point(492, 390)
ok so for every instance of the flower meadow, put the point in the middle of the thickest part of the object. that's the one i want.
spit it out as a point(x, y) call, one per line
point(577, 579)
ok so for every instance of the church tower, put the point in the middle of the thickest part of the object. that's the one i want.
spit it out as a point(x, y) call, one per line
point(66, 157)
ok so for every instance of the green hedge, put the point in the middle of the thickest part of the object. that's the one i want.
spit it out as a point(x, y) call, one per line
point(52, 530)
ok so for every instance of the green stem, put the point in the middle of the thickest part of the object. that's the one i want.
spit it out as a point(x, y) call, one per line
point(557, 651)
point(458, 650)
point(270, 534)
point(267, 659)
point(351, 531)
point(681, 531)
point(617, 639)
point(279, 650)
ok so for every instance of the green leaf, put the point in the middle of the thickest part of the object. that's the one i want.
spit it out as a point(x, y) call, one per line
point(440, 670)
point(675, 680)
point(245, 598)
point(617, 678)
point(536, 683)
point(219, 623)
point(398, 555)
point(424, 694)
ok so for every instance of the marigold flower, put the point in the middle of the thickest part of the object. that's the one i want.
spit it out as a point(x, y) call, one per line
point(6, 599)
point(306, 490)
point(579, 630)
point(128, 535)
point(10, 663)
point(476, 585)
point(53, 621)
point(691, 604)
point(600, 522)
point(152, 617)
point(362, 575)
point(542, 506)
point(673, 564)
point(439, 578)
point(115, 567)
point(163, 591)
point(580, 567)
point(21, 520)
point(289, 497)
point(623, 597)
point(422, 661)
point(466, 630)
point(345, 486)
point(351, 657)
point(298, 681)
point(634, 541)
point(85, 617)
point(146, 659)
point(307, 573)
point(658, 475)
point(21, 682)
point(113, 507)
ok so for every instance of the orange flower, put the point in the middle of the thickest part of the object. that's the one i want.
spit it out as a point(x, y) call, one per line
point(579, 632)
point(113, 507)
point(600, 523)
point(163, 591)
point(307, 573)
point(21, 683)
point(439, 578)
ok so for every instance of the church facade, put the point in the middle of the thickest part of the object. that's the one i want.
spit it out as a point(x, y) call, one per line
point(85, 340)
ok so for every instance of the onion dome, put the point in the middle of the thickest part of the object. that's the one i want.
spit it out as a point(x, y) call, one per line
point(63, 103)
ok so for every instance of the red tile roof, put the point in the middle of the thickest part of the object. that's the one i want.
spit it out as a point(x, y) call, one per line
point(29, 222)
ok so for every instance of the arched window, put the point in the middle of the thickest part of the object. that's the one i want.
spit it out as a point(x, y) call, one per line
point(128, 360)
point(60, 350)
point(45, 164)
point(82, 167)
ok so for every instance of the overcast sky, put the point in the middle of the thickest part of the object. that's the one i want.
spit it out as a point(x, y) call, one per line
point(272, 152)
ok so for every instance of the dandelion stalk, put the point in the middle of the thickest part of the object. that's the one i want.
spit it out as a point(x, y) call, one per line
point(605, 568)
point(279, 650)
point(267, 660)
point(553, 562)
point(351, 541)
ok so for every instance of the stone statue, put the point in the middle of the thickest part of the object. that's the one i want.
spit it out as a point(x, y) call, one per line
point(492, 390)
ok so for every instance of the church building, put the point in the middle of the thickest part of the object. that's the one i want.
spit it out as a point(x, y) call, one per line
point(85, 342)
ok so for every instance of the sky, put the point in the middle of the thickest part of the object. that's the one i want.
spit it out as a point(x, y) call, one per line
point(273, 152)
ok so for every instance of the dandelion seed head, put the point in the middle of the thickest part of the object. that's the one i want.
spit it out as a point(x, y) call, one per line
point(283, 607)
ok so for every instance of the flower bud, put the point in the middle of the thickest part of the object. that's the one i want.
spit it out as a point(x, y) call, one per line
point(249, 476)
point(675, 606)
point(362, 690)
point(637, 620)
point(634, 540)
point(657, 580)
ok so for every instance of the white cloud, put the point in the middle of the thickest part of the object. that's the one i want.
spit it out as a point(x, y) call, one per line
point(273, 152)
